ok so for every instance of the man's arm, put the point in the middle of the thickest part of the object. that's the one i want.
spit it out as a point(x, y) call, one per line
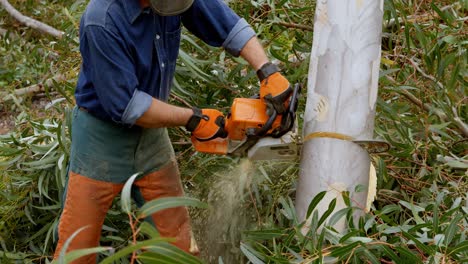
point(254, 53)
point(205, 124)
point(161, 114)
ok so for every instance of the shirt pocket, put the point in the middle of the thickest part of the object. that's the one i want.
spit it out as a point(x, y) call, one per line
point(173, 45)
point(167, 46)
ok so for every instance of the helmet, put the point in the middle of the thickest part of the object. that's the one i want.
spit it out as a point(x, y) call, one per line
point(170, 7)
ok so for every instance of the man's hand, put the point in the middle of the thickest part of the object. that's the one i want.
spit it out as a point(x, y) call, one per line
point(274, 88)
point(206, 124)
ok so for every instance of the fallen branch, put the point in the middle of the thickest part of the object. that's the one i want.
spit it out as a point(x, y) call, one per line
point(293, 25)
point(432, 78)
point(180, 100)
point(424, 106)
point(30, 22)
point(430, 109)
point(413, 18)
point(31, 90)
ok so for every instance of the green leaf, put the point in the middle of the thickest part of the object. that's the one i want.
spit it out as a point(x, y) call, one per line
point(5, 151)
point(315, 202)
point(42, 163)
point(452, 229)
point(390, 209)
point(251, 254)
point(390, 254)
point(155, 258)
point(327, 213)
point(288, 209)
point(61, 258)
point(148, 229)
point(349, 234)
point(462, 247)
point(409, 256)
point(76, 254)
point(344, 250)
point(338, 215)
point(360, 188)
point(267, 234)
point(7, 163)
point(444, 15)
point(157, 205)
point(126, 197)
point(130, 249)
point(160, 253)
point(435, 218)
point(424, 248)
point(450, 39)
point(371, 257)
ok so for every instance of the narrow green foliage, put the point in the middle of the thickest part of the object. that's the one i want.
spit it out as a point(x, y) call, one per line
point(157, 205)
point(315, 202)
point(419, 216)
point(126, 198)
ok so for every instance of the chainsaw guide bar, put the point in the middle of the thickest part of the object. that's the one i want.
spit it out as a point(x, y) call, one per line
point(260, 135)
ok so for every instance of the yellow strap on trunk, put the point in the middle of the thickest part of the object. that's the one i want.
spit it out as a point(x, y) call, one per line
point(327, 135)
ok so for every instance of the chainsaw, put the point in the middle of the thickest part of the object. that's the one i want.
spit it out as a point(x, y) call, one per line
point(255, 133)
point(247, 122)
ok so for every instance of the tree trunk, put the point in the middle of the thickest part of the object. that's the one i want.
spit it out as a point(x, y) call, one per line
point(341, 99)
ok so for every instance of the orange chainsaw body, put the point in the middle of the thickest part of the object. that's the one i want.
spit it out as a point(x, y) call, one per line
point(246, 113)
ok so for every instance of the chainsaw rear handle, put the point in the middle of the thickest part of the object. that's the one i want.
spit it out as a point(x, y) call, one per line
point(287, 120)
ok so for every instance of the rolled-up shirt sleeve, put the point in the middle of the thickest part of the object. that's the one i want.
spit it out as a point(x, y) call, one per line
point(113, 75)
point(217, 25)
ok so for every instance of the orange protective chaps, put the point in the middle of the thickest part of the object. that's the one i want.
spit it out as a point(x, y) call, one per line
point(88, 201)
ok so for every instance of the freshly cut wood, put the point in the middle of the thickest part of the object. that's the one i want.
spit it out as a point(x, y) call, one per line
point(30, 22)
point(341, 99)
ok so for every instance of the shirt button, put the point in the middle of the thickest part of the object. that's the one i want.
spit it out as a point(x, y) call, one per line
point(158, 37)
point(162, 65)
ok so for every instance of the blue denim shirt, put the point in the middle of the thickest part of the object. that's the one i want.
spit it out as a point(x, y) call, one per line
point(129, 53)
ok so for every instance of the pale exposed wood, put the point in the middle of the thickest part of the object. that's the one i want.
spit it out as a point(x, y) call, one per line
point(30, 22)
point(341, 98)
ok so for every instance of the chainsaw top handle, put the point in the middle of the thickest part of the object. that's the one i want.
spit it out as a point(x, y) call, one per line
point(287, 120)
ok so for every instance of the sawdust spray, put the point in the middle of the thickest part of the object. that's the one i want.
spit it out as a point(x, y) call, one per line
point(229, 214)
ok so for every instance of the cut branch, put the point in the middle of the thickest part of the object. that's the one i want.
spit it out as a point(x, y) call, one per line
point(30, 22)
point(31, 90)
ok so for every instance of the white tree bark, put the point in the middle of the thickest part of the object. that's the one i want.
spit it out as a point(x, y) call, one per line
point(30, 22)
point(341, 98)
